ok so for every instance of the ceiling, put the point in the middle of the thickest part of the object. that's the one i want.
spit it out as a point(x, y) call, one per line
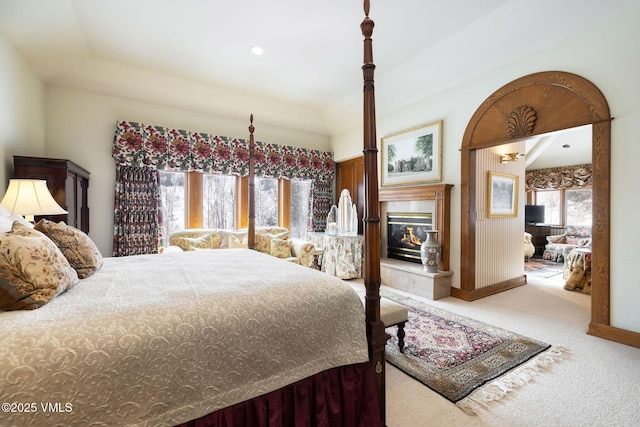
point(562, 148)
point(313, 48)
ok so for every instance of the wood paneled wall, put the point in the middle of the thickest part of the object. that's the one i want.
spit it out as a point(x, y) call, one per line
point(350, 175)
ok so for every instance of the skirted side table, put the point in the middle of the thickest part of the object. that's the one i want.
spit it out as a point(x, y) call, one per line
point(342, 255)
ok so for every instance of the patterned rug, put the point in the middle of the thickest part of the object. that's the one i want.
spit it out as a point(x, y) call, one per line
point(457, 357)
point(543, 268)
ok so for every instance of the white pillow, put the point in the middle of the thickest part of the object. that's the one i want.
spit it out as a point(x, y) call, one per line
point(235, 243)
point(21, 220)
point(5, 224)
point(4, 212)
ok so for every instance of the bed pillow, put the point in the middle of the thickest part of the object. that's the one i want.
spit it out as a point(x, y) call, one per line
point(83, 255)
point(281, 248)
point(33, 271)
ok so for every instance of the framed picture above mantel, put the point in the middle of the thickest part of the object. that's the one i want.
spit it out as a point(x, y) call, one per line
point(413, 156)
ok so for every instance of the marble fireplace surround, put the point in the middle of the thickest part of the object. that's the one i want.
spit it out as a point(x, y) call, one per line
point(435, 199)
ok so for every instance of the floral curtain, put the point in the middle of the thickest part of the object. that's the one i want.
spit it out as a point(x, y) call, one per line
point(321, 201)
point(577, 176)
point(141, 145)
point(137, 213)
point(158, 148)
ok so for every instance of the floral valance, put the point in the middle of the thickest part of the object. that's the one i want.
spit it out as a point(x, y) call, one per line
point(577, 176)
point(141, 145)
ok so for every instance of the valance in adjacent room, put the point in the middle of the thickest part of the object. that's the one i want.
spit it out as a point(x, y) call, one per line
point(576, 176)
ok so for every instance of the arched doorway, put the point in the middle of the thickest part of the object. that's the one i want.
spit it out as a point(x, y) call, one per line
point(531, 105)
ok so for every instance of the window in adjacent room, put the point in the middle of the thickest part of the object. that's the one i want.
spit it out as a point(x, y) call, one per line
point(579, 206)
point(552, 206)
point(566, 206)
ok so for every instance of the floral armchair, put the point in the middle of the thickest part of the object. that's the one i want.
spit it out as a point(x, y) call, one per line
point(558, 247)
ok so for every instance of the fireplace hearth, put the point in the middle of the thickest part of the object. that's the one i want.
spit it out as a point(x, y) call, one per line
point(405, 234)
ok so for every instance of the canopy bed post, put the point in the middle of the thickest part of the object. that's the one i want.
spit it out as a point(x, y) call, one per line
point(376, 335)
point(251, 234)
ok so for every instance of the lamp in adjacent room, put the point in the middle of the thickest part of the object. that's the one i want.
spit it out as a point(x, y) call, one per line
point(510, 157)
point(30, 197)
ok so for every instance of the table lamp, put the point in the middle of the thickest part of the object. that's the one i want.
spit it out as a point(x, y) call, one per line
point(30, 197)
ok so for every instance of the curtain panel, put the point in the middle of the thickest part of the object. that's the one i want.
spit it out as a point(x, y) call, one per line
point(137, 214)
point(577, 176)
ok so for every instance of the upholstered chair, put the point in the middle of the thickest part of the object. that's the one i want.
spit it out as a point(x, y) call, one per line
point(529, 248)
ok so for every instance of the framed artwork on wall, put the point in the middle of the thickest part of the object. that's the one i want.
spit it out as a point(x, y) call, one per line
point(413, 156)
point(502, 199)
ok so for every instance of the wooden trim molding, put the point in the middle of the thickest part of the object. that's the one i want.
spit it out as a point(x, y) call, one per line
point(614, 334)
point(441, 194)
point(561, 101)
point(488, 290)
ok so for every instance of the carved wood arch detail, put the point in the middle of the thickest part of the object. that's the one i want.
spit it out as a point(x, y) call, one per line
point(560, 101)
point(521, 122)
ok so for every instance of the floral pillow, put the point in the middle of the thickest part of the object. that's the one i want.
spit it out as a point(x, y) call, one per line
point(33, 270)
point(206, 241)
point(263, 241)
point(83, 255)
point(281, 248)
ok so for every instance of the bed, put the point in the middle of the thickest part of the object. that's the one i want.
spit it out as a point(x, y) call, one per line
point(222, 337)
point(153, 340)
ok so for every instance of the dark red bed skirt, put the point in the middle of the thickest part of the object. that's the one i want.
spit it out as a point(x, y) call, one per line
point(344, 396)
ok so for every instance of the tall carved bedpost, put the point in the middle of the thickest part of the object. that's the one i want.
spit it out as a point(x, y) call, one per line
point(376, 336)
point(251, 242)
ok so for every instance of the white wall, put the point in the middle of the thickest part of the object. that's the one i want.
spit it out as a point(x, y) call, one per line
point(22, 112)
point(608, 56)
point(81, 126)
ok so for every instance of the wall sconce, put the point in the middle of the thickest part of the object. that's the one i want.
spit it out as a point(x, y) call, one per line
point(30, 197)
point(510, 157)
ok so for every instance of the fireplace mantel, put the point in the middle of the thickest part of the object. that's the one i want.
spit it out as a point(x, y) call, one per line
point(441, 194)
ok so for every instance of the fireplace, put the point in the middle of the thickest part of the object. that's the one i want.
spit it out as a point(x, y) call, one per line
point(405, 234)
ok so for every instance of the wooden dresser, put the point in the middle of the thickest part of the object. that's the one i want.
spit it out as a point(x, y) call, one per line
point(68, 183)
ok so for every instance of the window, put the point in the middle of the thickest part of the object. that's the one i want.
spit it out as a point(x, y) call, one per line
point(266, 197)
point(218, 201)
point(300, 198)
point(172, 197)
point(565, 206)
point(551, 201)
point(579, 207)
point(196, 200)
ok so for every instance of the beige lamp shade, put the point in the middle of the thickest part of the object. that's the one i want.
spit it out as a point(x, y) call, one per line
point(29, 197)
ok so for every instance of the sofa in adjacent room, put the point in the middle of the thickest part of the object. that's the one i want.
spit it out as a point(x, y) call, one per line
point(558, 247)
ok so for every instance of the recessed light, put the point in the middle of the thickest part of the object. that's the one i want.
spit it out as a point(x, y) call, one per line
point(257, 50)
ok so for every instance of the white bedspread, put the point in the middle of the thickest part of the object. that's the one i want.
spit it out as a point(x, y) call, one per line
point(163, 339)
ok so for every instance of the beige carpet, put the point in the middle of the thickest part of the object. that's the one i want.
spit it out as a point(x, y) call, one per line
point(597, 384)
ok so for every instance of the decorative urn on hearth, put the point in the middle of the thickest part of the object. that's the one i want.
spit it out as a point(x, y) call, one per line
point(431, 252)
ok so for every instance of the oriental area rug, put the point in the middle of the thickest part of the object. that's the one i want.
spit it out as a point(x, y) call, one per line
point(470, 363)
point(543, 268)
